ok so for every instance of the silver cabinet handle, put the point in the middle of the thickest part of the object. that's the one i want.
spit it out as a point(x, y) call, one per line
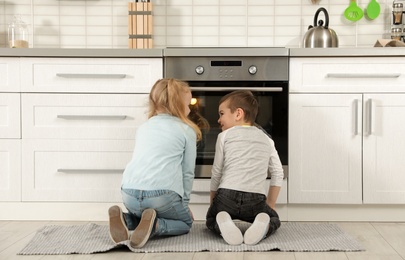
point(90, 76)
point(90, 170)
point(92, 117)
point(357, 116)
point(264, 89)
point(370, 112)
point(363, 75)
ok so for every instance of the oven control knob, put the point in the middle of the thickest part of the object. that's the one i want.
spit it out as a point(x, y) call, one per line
point(199, 69)
point(252, 70)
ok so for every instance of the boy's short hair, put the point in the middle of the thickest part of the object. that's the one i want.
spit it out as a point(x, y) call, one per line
point(245, 100)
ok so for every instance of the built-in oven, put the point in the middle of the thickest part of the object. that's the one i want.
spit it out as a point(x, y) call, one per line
point(214, 72)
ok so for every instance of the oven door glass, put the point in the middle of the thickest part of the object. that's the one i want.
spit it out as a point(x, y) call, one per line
point(272, 116)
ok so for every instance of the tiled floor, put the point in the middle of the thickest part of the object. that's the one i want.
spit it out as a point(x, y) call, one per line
point(382, 241)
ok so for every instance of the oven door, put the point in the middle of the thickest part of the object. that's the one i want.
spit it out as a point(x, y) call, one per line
point(272, 117)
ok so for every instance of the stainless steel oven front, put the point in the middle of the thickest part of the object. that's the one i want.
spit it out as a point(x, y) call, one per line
point(213, 72)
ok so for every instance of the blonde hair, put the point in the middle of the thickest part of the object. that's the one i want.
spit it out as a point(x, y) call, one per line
point(166, 97)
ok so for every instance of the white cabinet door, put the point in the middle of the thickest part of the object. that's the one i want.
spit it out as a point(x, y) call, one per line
point(325, 148)
point(74, 170)
point(10, 170)
point(9, 74)
point(102, 75)
point(347, 75)
point(10, 115)
point(384, 149)
point(83, 116)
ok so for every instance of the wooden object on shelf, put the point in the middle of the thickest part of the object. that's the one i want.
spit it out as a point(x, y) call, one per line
point(140, 24)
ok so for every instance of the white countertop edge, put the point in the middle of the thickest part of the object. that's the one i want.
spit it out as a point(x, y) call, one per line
point(66, 52)
point(159, 53)
point(348, 52)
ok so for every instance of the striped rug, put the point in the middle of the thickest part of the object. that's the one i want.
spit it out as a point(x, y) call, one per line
point(94, 238)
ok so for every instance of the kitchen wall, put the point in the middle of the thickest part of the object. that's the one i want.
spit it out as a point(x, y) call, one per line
point(224, 23)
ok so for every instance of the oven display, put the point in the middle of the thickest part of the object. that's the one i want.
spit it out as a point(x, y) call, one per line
point(226, 63)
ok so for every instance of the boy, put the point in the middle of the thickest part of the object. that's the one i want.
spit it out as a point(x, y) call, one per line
point(244, 155)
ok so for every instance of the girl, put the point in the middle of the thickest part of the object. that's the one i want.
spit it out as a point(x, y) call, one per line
point(157, 182)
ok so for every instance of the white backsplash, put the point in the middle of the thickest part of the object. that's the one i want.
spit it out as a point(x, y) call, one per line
point(190, 23)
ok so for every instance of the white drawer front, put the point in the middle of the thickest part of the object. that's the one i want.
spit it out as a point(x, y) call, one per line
point(9, 74)
point(83, 116)
point(107, 75)
point(74, 170)
point(10, 170)
point(201, 191)
point(10, 115)
point(347, 74)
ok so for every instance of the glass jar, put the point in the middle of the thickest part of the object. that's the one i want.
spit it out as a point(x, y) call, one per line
point(18, 33)
point(396, 33)
point(397, 9)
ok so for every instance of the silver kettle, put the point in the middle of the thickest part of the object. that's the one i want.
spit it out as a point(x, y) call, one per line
point(320, 36)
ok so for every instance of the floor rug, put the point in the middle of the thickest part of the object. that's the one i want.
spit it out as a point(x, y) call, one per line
point(93, 238)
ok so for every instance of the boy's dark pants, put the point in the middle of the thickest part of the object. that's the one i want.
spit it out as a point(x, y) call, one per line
point(240, 205)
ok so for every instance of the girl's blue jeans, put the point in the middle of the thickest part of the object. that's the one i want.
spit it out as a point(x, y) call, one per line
point(173, 218)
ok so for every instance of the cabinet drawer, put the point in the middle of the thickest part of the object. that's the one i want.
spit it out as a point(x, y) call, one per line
point(347, 75)
point(10, 115)
point(9, 74)
point(74, 170)
point(201, 191)
point(107, 75)
point(10, 170)
point(83, 116)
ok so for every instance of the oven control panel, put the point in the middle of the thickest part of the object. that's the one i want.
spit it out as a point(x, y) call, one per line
point(227, 68)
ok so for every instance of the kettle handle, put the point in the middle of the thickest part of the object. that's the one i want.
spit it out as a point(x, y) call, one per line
point(326, 17)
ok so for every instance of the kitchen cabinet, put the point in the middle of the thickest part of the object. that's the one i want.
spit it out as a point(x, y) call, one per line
point(79, 119)
point(345, 141)
point(325, 152)
point(10, 170)
point(9, 74)
point(94, 75)
point(383, 149)
point(10, 133)
point(76, 146)
point(65, 170)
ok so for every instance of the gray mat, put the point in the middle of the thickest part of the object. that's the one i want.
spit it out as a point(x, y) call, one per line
point(93, 238)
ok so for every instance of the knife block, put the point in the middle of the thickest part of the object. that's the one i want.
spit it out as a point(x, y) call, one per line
point(140, 25)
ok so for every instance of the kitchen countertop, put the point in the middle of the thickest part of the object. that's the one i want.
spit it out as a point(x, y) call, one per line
point(348, 52)
point(64, 52)
point(150, 53)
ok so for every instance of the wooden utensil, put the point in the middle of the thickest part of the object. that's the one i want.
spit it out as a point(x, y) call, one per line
point(353, 12)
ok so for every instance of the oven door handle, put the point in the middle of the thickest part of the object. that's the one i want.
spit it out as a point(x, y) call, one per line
point(259, 89)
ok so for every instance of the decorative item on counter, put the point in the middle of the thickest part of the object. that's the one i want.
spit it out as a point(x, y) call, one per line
point(397, 9)
point(389, 43)
point(353, 12)
point(315, 1)
point(140, 24)
point(320, 36)
point(396, 33)
point(373, 9)
point(18, 33)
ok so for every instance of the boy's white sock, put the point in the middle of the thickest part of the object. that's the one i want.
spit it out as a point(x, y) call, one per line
point(229, 231)
point(258, 230)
